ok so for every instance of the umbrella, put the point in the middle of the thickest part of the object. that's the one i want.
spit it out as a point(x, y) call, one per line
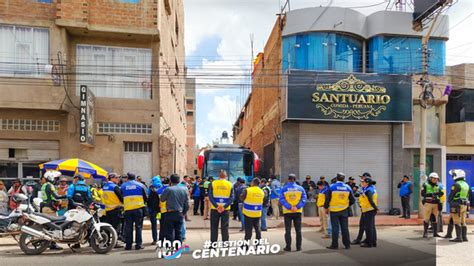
point(75, 166)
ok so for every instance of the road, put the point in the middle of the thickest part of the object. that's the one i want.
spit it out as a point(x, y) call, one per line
point(401, 245)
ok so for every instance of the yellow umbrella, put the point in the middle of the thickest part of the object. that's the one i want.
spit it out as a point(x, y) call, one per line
point(75, 166)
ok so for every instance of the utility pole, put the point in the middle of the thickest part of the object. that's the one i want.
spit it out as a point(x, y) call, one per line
point(426, 101)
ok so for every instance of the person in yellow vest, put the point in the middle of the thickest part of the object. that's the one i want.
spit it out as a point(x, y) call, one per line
point(97, 193)
point(220, 196)
point(368, 201)
point(339, 198)
point(431, 194)
point(323, 216)
point(458, 199)
point(134, 202)
point(252, 198)
point(292, 198)
point(113, 202)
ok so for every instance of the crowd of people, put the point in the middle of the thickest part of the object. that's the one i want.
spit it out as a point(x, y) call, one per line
point(128, 200)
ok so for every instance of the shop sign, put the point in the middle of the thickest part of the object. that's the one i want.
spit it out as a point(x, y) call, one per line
point(87, 116)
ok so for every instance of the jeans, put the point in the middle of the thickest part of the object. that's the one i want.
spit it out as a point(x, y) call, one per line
point(172, 224)
point(340, 220)
point(223, 218)
point(183, 229)
point(296, 219)
point(252, 223)
point(133, 217)
point(198, 202)
point(242, 221)
point(406, 206)
point(263, 219)
point(154, 227)
point(329, 225)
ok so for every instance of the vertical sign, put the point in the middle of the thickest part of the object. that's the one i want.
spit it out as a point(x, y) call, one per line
point(87, 115)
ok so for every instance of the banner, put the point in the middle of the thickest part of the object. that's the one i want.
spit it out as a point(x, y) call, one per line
point(86, 117)
point(349, 97)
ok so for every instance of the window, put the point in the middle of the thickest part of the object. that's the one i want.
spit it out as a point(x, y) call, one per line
point(460, 107)
point(29, 125)
point(24, 51)
point(124, 128)
point(322, 51)
point(189, 101)
point(189, 113)
point(114, 72)
point(167, 7)
point(137, 146)
point(403, 55)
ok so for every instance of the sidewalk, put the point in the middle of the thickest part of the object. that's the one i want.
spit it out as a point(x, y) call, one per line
point(197, 222)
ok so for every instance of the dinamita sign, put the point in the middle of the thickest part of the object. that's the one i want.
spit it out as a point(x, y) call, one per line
point(349, 97)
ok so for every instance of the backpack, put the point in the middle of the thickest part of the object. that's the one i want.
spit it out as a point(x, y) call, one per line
point(394, 211)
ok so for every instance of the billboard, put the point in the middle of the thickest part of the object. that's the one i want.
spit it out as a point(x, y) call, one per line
point(86, 116)
point(349, 97)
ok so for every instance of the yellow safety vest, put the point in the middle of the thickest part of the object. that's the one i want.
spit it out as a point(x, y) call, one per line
point(132, 195)
point(365, 204)
point(293, 197)
point(339, 197)
point(163, 207)
point(221, 190)
point(111, 201)
point(321, 200)
point(253, 202)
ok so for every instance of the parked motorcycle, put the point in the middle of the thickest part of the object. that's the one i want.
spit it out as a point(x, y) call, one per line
point(11, 223)
point(76, 226)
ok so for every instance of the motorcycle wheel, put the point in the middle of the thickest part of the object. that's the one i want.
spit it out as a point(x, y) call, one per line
point(31, 246)
point(109, 239)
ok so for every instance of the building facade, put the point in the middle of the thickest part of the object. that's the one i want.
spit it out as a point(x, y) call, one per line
point(191, 149)
point(335, 91)
point(130, 56)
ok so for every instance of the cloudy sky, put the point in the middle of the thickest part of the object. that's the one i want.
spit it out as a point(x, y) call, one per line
point(218, 49)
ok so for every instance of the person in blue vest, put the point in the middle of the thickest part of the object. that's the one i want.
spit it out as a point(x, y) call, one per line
point(406, 189)
point(134, 203)
point(292, 198)
point(79, 186)
point(196, 194)
point(339, 198)
point(153, 205)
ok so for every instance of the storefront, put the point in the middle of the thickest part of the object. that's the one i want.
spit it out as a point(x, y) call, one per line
point(337, 122)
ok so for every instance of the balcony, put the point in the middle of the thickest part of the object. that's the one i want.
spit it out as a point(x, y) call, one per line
point(138, 17)
point(460, 134)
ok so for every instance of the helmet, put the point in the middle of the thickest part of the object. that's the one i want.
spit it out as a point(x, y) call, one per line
point(434, 175)
point(51, 175)
point(340, 176)
point(457, 173)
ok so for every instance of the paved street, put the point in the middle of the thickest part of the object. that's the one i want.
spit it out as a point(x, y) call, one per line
point(396, 246)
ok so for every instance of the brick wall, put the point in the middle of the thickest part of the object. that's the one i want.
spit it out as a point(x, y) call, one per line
point(26, 10)
point(142, 14)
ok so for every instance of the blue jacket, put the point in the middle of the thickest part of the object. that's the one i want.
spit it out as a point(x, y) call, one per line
point(405, 189)
point(196, 191)
point(80, 186)
point(155, 183)
point(161, 189)
point(292, 186)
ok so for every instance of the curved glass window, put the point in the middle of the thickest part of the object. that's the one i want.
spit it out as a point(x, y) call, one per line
point(403, 55)
point(322, 51)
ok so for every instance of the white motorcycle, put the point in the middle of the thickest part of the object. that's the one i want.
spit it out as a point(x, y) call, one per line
point(76, 226)
point(11, 223)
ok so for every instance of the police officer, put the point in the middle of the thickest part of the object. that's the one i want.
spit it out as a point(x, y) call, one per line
point(369, 206)
point(113, 202)
point(292, 198)
point(79, 187)
point(134, 202)
point(323, 216)
point(339, 198)
point(220, 197)
point(266, 203)
point(253, 198)
point(458, 200)
point(431, 194)
point(50, 198)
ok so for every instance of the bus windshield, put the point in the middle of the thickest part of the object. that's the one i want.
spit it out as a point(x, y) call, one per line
point(236, 164)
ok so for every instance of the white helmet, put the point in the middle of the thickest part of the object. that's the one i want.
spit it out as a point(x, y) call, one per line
point(457, 173)
point(51, 175)
point(434, 175)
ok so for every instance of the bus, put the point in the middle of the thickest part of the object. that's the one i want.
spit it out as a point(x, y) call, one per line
point(236, 160)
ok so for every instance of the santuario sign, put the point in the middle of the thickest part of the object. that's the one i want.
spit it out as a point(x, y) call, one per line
point(348, 97)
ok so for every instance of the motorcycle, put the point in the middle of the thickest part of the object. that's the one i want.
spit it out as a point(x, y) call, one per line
point(11, 223)
point(77, 226)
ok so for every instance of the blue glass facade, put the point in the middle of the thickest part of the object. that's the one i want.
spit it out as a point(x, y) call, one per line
point(403, 55)
point(326, 51)
point(322, 51)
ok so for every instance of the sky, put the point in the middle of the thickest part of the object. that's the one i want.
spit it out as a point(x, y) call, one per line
point(218, 49)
